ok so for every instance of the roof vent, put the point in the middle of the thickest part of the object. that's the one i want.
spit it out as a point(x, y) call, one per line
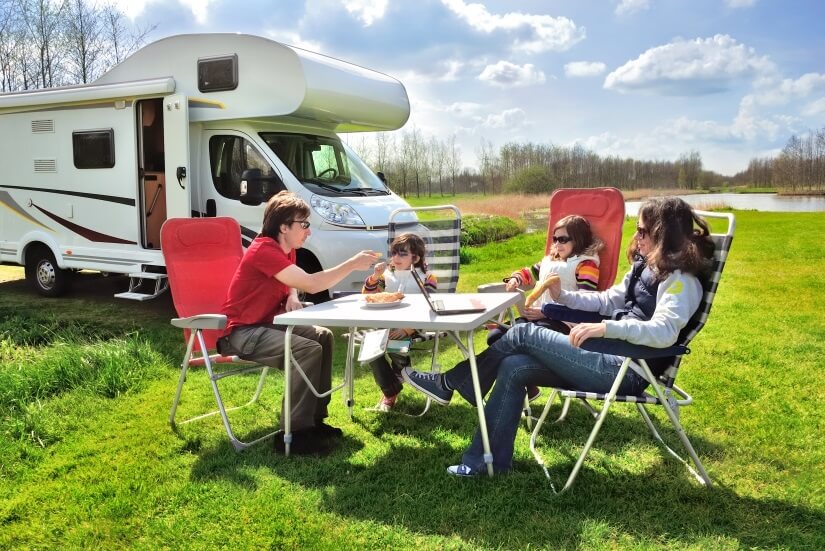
point(45, 165)
point(41, 126)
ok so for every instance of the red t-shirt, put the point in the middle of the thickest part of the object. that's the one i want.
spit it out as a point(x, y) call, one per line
point(255, 296)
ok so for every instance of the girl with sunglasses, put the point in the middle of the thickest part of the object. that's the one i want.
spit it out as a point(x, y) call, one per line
point(650, 307)
point(574, 257)
point(407, 252)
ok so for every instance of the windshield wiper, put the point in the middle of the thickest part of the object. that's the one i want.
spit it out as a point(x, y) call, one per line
point(326, 186)
point(368, 191)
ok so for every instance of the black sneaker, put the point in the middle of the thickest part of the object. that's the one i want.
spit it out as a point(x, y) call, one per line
point(304, 442)
point(430, 384)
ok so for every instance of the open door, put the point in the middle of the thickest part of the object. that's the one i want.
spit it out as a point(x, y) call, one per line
point(177, 169)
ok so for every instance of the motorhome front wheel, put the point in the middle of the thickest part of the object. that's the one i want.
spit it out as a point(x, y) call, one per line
point(43, 273)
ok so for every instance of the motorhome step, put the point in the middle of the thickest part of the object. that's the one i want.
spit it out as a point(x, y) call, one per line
point(135, 296)
point(147, 275)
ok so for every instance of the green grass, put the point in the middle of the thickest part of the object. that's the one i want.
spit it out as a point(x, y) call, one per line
point(87, 459)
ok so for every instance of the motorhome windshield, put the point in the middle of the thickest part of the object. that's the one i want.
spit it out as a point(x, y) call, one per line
point(325, 165)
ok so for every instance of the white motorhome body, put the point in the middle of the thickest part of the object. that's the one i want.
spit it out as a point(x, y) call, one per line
point(91, 172)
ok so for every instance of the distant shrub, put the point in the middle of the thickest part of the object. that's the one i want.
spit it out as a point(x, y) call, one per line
point(481, 229)
point(533, 179)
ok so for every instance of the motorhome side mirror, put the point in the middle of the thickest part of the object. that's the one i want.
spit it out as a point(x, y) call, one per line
point(257, 188)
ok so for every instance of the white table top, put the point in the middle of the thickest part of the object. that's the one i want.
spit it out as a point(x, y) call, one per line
point(413, 312)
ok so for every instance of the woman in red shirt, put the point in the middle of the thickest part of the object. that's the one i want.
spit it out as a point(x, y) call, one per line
point(265, 284)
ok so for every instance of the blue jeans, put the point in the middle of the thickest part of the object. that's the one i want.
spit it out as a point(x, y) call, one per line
point(530, 354)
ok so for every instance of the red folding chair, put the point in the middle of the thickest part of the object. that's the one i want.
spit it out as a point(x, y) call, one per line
point(201, 257)
point(604, 209)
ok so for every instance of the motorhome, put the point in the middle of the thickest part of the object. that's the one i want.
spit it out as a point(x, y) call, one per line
point(191, 126)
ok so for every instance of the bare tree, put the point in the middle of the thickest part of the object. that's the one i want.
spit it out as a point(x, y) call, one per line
point(84, 36)
point(43, 22)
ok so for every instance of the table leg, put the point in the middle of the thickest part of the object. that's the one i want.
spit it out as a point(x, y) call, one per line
point(287, 413)
point(482, 419)
point(349, 375)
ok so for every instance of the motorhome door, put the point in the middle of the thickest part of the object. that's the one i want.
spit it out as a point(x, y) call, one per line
point(176, 144)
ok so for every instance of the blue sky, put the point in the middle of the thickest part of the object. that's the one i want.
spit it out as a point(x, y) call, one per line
point(651, 79)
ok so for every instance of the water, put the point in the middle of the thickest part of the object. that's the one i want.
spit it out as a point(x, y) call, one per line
point(763, 202)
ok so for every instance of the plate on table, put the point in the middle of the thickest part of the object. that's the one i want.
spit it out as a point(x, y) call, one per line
point(380, 305)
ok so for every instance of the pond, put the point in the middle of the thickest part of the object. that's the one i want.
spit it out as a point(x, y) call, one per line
point(764, 202)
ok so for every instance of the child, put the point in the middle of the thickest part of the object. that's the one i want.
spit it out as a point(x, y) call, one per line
point(407, 253)
point(574, 258)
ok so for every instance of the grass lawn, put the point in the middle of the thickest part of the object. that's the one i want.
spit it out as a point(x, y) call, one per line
point(87, 458)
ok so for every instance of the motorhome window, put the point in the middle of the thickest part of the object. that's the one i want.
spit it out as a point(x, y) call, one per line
point(216, 74)
point(324, 164)
point(229, 156)
point(94, 148)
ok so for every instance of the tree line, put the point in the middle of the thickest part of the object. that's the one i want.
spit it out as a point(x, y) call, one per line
point(799, 167)
point(47, 43)
point(418, 165)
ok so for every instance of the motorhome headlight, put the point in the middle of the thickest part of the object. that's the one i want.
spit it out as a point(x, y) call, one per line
point(337, 213)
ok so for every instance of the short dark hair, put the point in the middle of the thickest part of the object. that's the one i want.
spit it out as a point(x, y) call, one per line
point(578, 228)
point(283, 208)
point(412, 243)
point(681, 239)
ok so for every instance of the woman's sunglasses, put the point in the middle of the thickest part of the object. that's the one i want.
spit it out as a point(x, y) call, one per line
point(563, 239)
point(643, 232)
point(304, 223)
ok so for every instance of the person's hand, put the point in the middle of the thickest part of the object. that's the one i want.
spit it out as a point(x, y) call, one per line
point(531, 313)
point(583, 331)
point(292, 303)
point(364, 260)
point(379, 269)
point(553, 286)
point(398, 334)
point(511, 285)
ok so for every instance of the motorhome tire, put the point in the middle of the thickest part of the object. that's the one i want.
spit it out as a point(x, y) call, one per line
point(309, 263)
point(43, 273)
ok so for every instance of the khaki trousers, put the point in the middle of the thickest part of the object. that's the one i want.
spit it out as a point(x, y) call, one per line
point(311, 348)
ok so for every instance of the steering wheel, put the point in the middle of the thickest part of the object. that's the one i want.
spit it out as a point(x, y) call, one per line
point(330, 170)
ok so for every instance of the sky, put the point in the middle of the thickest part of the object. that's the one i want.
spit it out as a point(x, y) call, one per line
point(648, 79)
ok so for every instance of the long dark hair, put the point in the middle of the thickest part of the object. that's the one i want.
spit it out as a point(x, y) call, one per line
point(283, 208)
point(681, 239)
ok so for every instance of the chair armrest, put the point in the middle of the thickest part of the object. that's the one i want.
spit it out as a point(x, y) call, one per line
point(307, 304)
point(619, 347)
point(563, 313)
point(201, 321)
point(491, 288)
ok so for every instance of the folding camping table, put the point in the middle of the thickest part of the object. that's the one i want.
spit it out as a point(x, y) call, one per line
point(351, 312)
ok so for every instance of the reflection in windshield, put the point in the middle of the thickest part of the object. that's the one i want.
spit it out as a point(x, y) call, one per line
point(324, 164)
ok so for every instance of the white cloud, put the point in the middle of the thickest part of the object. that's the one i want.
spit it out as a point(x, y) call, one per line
point(509, 75)
point(534, 33)
point(814, 108)
point(464, 108)
point(449, 70)
point(368, 11)
point(509, 118)
point(740, 3)
point(584, 68)
point(776, 92)
point(200, 9)
point(293, 39)
point(690, 67)
point(631, 6)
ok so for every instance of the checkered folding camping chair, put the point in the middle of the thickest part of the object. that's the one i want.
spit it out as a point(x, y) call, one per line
point(604, 209)
point(664, 393)
point(440, 228)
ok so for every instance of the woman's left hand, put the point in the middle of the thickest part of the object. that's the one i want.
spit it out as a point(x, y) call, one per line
point(531, 314)
point(583, 331)
point(292, 303)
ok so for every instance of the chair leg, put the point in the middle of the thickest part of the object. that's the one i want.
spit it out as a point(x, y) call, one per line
point(608, 401)
point(183, 369)
point(701, 475)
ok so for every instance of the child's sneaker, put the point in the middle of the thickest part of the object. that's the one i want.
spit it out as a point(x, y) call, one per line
point(386, 403)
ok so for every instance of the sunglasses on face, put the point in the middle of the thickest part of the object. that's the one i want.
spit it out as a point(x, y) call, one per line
point(642, 232)
point(562, 239)
point(304, 223)
point(402, 254)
